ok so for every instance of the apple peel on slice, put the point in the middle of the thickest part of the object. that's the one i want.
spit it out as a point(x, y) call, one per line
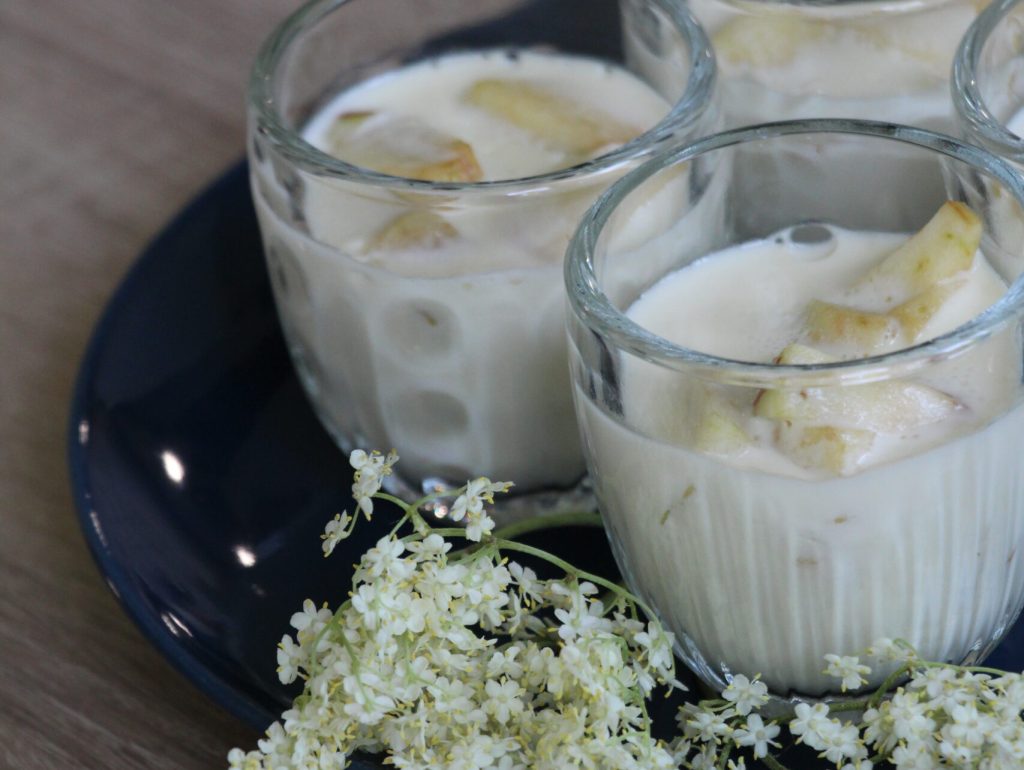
point(892, 406)
point(945, 246)
point(765, 41)
point(557, 121)
point(413, 230)
point(718, 429)
point(825, 322)
point(914, 314)
point(402, 146)
point(825, 447)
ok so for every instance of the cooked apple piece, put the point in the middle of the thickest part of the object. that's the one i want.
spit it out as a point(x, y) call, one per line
point(893, 406)
point(345, 126)
point(839, 324)
point(563, 124)
point(914, 314)
point(883, 407)
point(718, 428)
point(802, 355)
point(413, 230)
point(941, 249)
point(825, 447)
point(402, 146)
point(765, 42)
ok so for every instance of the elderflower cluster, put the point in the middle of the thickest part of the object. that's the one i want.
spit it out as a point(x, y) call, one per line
point(464, 660)
point(942, 716)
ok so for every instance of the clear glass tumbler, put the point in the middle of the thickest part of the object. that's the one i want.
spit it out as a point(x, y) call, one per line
point(462, 370)
point(738, 497)
point(870, 59)
point(988, 80)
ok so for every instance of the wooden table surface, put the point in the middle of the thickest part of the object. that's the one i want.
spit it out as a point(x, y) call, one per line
point(113, 113)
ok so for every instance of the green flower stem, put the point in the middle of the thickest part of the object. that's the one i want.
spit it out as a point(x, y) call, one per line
point(888, 684)
point(332, 623)
point(512, 545)
point(723, 761)
point(774, 764)
point(850, 705)
point(392, 499)
point(964, 669)
point(398, 526)
point(538, 523)
point(442, 531)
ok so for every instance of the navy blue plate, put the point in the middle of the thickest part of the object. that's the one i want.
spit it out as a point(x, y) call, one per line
point(201, 475)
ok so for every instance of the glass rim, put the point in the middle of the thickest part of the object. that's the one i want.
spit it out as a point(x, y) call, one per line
point(842, 7)
point(683, 114)
point(591, 306)
point(967, 98)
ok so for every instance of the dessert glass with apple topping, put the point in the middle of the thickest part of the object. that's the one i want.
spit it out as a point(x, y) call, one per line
point(417, 176)
point(871, 59)
point(803, 432)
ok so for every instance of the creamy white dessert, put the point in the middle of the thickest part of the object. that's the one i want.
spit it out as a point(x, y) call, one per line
point(770, 527)
point(872, 60)
point(433, 322)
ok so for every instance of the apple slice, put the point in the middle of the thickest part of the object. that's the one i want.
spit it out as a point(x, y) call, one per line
point(839, 324)
point(941, 249)
point(892, 406)
point(559, 122)
point(765, 41)
point(802, 355)
point(402, 146)
point(914, 314)
point(413, 230)
point(718, 429)
point(825, 447)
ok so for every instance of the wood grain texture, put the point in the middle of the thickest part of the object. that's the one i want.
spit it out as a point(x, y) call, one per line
point(115, 112)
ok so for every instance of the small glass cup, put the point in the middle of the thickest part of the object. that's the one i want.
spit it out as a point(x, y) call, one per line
point(870, 59)
point(764, 570)
point(988, 93)
point(462, 371)
point(988, 80)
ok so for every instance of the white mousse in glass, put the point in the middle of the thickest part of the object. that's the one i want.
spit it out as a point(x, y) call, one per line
point(771, 527)
point(433, 321)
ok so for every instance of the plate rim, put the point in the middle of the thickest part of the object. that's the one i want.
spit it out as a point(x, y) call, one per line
point(113, 571)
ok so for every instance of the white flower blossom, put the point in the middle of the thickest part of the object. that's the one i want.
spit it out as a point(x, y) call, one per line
point(756, 734)
point(479, 525)
point(370, 471)
point(335, 531)
point(745, 694)
point(849, 669)
point(707, 726)
point(503, 699)
point(288, 658)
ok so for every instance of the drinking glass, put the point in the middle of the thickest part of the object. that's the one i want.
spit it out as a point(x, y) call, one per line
point(988, 80)
point(462, 371)
point(871, 59)
point(988, 93)
point(764, 567)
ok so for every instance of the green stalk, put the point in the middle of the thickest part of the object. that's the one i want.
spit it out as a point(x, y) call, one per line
point(772, 763)
point(887, 685)
point(538, 523)
point(512, 545)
